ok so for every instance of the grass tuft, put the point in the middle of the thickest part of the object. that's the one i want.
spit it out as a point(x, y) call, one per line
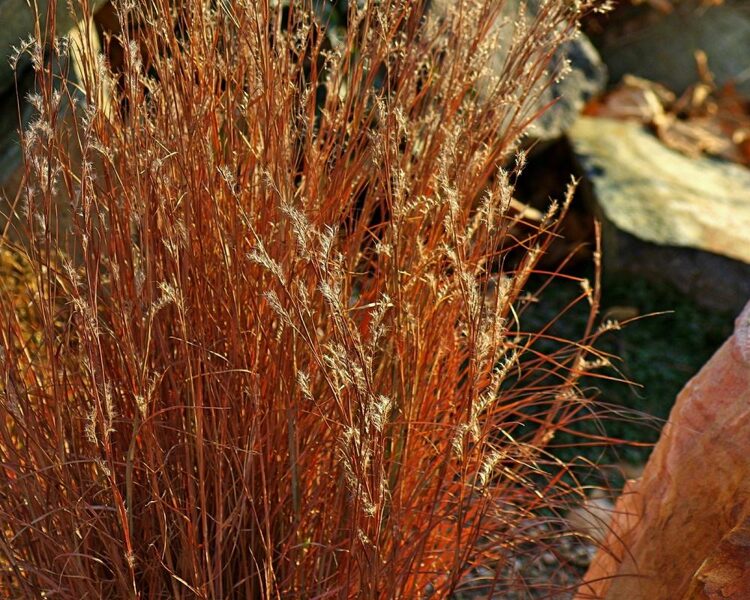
point(279, 284)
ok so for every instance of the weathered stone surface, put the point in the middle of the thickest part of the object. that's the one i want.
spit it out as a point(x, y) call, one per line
point(667, 216)
point(17, 20)
point(592, 518)
point(681, 531)
point(15, 110)
point(565, 97)
point(9, 123)
point(17, 23)
point(586, 79)
point(725, 574)
point(661, 47)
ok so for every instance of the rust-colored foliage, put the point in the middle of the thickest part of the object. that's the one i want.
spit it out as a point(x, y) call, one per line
point(287, 357)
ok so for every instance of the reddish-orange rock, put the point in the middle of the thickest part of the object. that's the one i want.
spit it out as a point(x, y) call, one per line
point(681, 532)
point(726, 572)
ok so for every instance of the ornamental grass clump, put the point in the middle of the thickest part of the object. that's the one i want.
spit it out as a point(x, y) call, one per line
point(278, 290)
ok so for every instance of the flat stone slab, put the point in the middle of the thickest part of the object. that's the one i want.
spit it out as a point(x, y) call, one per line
point(691, 216)
point(660, 195)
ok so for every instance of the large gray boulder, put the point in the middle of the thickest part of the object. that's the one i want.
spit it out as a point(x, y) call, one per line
point(565, 96)
point(9, 123)
point(17, 23)
point(587, 78)
point(667, 216)
point(661, 47)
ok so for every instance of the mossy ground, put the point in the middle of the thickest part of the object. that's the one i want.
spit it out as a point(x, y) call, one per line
point(667, 344)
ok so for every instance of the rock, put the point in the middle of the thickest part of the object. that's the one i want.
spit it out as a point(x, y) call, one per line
point(592, 518)
point(681, 531)
point(14, 104)
point(566, 97)
point(18, 23)
point(586, 79)
point(9, 123)
point(725, 574)
point(667, 216)
point(661, 47)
